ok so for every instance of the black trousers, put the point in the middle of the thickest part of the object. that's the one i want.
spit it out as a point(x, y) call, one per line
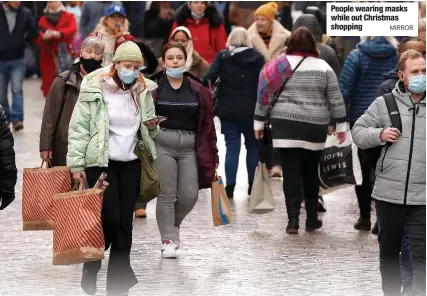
point(364, 191)
point(300, 170)
point(392, 220)
point(117, 216)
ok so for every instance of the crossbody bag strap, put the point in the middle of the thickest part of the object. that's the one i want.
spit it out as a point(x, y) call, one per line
point(276, 97)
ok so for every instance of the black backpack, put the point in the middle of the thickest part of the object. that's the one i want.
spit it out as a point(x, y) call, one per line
point(371, 156)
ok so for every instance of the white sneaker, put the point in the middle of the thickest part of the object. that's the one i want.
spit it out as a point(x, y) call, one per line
point(177, 241)
point(169, 250)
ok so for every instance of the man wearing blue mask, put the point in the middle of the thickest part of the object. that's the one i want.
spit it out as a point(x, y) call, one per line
point(400, 186)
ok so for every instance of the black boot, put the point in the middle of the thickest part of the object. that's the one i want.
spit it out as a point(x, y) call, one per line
point(293, 206)
point(229, 189)
point(312, 223)
point(88, 282)
point(250, 188)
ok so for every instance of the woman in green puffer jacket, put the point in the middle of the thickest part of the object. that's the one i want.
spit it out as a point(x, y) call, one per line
point(110, 116)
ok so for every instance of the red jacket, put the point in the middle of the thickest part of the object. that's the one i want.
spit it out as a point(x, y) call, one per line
point(209, 36)
point(49, 49)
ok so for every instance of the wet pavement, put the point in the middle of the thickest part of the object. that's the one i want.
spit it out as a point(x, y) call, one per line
point(252, 256)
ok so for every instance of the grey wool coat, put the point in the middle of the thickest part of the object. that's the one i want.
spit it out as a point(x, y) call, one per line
point(403, 177)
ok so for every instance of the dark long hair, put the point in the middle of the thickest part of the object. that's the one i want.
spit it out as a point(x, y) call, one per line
point(303, 41)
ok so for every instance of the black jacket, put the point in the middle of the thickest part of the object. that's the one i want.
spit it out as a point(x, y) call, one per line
point(238, 71)
point(326, 52)
point(8, 171)
point(12, 45)
point(390, 80)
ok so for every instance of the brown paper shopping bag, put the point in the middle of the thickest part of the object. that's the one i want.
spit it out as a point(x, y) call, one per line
point(77, 232)
point(221, 212)
point(39, 187)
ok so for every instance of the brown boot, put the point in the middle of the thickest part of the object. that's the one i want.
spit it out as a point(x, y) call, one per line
point(363, 224)
point(18, 125)
point(141, 213)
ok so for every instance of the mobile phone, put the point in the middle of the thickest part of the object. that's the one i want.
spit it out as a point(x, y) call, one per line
point(159, 119)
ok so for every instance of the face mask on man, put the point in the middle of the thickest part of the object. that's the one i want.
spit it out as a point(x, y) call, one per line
point(90, 65)
point(175, 72)
point(417, 84)
point(197, 16)
point(127, 76)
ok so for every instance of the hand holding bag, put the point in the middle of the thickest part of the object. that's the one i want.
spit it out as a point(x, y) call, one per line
point(339, 165)
point(38, 189)
point(221, 212)
point(78, 236)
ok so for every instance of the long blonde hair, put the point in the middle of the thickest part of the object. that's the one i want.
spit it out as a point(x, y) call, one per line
point(140, 79)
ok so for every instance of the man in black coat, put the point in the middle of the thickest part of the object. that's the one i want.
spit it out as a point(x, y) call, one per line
point(391, 77)
point(8, 171)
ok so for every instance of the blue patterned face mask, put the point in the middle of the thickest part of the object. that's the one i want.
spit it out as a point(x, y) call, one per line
point(175, 72)
point(127, 76)
point(417, 84)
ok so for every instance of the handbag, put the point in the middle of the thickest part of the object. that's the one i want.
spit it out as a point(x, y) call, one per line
point(268, 138)
point(149, 183)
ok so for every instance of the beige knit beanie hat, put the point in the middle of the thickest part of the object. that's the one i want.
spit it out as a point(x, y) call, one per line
point(128, 52)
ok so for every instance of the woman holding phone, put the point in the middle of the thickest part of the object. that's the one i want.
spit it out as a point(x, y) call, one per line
point(187, 156)
point(114, 111)
point(113, 29)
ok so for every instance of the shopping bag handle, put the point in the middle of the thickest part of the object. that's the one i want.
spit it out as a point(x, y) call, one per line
point(78, 186)
point(49, 164)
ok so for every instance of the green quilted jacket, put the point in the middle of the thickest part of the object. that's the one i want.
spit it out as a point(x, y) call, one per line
point(88, 130)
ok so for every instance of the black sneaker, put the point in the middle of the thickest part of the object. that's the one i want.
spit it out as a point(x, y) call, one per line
point(229, 189)
point(321, 205)
point(88, 282)
point(250, 188)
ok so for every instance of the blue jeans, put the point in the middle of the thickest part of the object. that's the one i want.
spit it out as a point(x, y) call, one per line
point(12, 72)
point(232, 132)
point(406, 263)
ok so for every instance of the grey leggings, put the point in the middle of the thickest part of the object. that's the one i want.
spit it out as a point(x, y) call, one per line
point(179, 187)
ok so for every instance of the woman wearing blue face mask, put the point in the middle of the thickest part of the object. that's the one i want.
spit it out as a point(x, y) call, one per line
point(107, 122)
point(187, 155)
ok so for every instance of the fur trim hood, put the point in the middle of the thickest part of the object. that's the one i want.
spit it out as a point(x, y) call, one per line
point(211, 13)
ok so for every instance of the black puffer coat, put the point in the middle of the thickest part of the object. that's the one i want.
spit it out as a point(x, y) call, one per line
point(8, 171)
point(390, 80)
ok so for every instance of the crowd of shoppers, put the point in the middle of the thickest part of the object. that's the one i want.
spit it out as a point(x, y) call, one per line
point(99, 106)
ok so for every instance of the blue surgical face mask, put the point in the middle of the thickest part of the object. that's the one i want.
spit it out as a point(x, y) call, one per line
point(417, 84)
point(197, 16)
point(175, 72)
point(127, 76)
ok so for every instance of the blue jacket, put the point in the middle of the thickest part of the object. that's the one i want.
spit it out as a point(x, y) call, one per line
point(238, 71)
point(12, 45)
point(362, 74)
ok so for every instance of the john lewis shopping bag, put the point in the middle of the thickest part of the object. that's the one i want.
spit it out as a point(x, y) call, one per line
point(261, 199)
point(339, 165)
point(38, 189)
point(221, 212)
point(77, 233)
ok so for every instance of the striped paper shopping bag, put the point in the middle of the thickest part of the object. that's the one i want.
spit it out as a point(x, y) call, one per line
point(221, 212)
point(38, 189)
point(77, 232)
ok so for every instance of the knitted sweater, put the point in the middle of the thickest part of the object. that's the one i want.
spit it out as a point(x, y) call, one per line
point(310, 99)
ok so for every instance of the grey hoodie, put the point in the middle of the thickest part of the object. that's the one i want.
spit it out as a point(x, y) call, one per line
point(403, 178)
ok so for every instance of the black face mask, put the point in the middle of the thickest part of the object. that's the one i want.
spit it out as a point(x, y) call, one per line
point(90, 65)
